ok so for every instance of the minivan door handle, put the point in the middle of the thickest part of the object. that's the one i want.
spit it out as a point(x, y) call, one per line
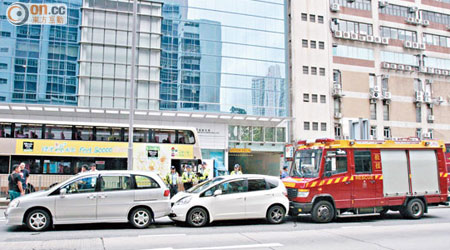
point(90, 197)
point(102, 196)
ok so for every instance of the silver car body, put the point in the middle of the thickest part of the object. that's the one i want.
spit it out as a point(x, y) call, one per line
point(243, 205)
point(98, 206)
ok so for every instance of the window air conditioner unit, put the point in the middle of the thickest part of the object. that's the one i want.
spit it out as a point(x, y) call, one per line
point(419, 97)
point(387, 95)
point(338, 34)
point(384, 76)
point(335, 7)
point(383, 4)
point(408, 68)
point(393, 66)
point(426, 135)
point(407, 44)
point(385, 40)
point(373, 100)
point(350, 1)
point(440, 99)
point(415, 45)
point(445, 72)
point(386, 65)
point(387, 101)
point(422, 46)
point(377, 39)
point(362, 38)
point(337, 91)
point(370, 39)
point(438, 71)
point(401, 67)
point(354, 36)
point(410, 20)
point(429, 81)
point(425, 23)
point(427, 97)
point(430, 70)
point(374, 93)
point(447, 27)
point(417, 21)
point(337, 115)
point(431, 118)
point(346, 35)
point(423, 69)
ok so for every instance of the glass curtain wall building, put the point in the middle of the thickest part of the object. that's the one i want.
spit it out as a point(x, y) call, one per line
point(39, 63)
point(224, 56)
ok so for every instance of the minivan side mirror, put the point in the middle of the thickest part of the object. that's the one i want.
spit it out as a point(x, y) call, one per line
point(62, 192)
point(218, 192)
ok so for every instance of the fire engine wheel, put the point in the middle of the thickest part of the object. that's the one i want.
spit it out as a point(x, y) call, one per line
point(414, 209)
point(322, 212)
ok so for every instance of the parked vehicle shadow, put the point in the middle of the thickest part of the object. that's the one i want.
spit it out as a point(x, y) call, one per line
point(372, 218)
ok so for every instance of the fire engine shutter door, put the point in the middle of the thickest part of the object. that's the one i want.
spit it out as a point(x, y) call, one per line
point(395, 173)
point(424, 172)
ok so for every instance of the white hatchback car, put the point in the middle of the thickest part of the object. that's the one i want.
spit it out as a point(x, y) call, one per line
point(93, 197)
point(232, 198)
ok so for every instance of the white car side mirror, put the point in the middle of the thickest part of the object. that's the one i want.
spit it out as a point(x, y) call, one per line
point(62, 192)
point(218, 192)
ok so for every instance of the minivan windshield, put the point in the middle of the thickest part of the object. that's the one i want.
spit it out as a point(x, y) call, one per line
point(205, 185)
point(307, 163)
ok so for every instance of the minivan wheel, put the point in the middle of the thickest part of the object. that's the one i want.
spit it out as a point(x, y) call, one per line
point(322, 212)
point(275, 214)
point(38, 220)
point(414, 209)
point(197, 217)
point(141, 218)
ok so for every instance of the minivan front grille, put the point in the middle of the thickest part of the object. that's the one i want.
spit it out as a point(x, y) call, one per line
point(292, 192)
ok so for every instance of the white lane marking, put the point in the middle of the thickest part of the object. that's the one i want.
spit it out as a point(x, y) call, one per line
point(161, 235)
point(224, 247)
point(352, 227)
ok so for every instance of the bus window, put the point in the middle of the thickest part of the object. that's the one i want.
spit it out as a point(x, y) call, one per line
point(27, 131)
point(5, 130)
point(84, 133)
point(186, 137)
point(140, 135)
point(107, 134)
point(58, 132)
point(165, 136)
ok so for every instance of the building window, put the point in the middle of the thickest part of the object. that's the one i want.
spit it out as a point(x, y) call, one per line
point(305, 43)
point(315, 126)
point(3, 81)
point(419, 133)
point(305, 97)
point(304, 17)
point(313, 44)
point(373, 111)
point(320, 19)
point(4, 50)
point(323, 99)
point(323, 126)
point(322, 71)
point(312, 18)
point(373, 132)
point(305, 70)
point(372, 80)
point(306, 125)
point(430, 132)
point(398, 34)
point(3, 66)
point(387, 132)
point(2, 98)
point(355, 4)
point(436, 17)
point(336, 76)
point(313, 70)
point(385, 112)
point(353, 52)
point(429, 115)
point(397, 10)
point(321, 45)
point(5, 34)
point(352, 26)
point(418, 114)
point(314, 98)
point(338, 130)
point(436, 40)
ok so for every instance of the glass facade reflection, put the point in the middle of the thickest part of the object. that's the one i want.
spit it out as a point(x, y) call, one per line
point(40, 61)
point(224, 56)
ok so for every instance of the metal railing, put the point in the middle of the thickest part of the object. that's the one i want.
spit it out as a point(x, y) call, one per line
point(40, 182)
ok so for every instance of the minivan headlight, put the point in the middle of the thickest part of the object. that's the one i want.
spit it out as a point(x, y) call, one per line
point(183, 201)
point(14, 203)
point(302, 193)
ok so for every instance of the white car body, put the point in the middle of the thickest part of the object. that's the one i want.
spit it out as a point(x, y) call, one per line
point(245, 204)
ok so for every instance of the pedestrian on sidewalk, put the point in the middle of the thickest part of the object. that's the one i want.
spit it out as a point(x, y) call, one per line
point(204, 172)
point(172, 181)
point(15, 187)
point(188, 178)
point(285, 172)
point(237, 170)
point(93, 167)
point(24, 174)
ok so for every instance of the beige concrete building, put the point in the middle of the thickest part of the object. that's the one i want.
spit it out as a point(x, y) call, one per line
point(369, 69)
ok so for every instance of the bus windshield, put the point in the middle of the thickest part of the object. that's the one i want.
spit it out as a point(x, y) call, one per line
point(307, 163)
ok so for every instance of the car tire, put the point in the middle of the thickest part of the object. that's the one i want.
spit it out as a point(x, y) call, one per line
point(197, 217)
point(414, 209)
point(141, 218)
point(276, 214)
point(323, 212)
point(38, 220)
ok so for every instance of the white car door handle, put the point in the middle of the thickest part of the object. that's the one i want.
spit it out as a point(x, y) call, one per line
point(102, 196)
point(91, 197)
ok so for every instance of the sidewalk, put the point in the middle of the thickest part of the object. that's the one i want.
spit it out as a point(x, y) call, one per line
point(4, 202)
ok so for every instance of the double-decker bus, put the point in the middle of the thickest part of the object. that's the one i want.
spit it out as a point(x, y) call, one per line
point(53, 151)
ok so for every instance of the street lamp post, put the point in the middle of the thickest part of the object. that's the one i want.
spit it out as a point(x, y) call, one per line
point(132, 83)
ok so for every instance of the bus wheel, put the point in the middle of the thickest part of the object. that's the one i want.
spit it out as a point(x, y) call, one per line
point(322, 212)
point(414, 209)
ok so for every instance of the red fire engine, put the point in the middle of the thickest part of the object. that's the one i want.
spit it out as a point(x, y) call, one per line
point(331, 178)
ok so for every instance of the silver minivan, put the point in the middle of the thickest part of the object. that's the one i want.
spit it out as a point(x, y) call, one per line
point(94, 197)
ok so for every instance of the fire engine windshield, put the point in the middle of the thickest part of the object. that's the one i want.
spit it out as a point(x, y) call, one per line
point(307, 163)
